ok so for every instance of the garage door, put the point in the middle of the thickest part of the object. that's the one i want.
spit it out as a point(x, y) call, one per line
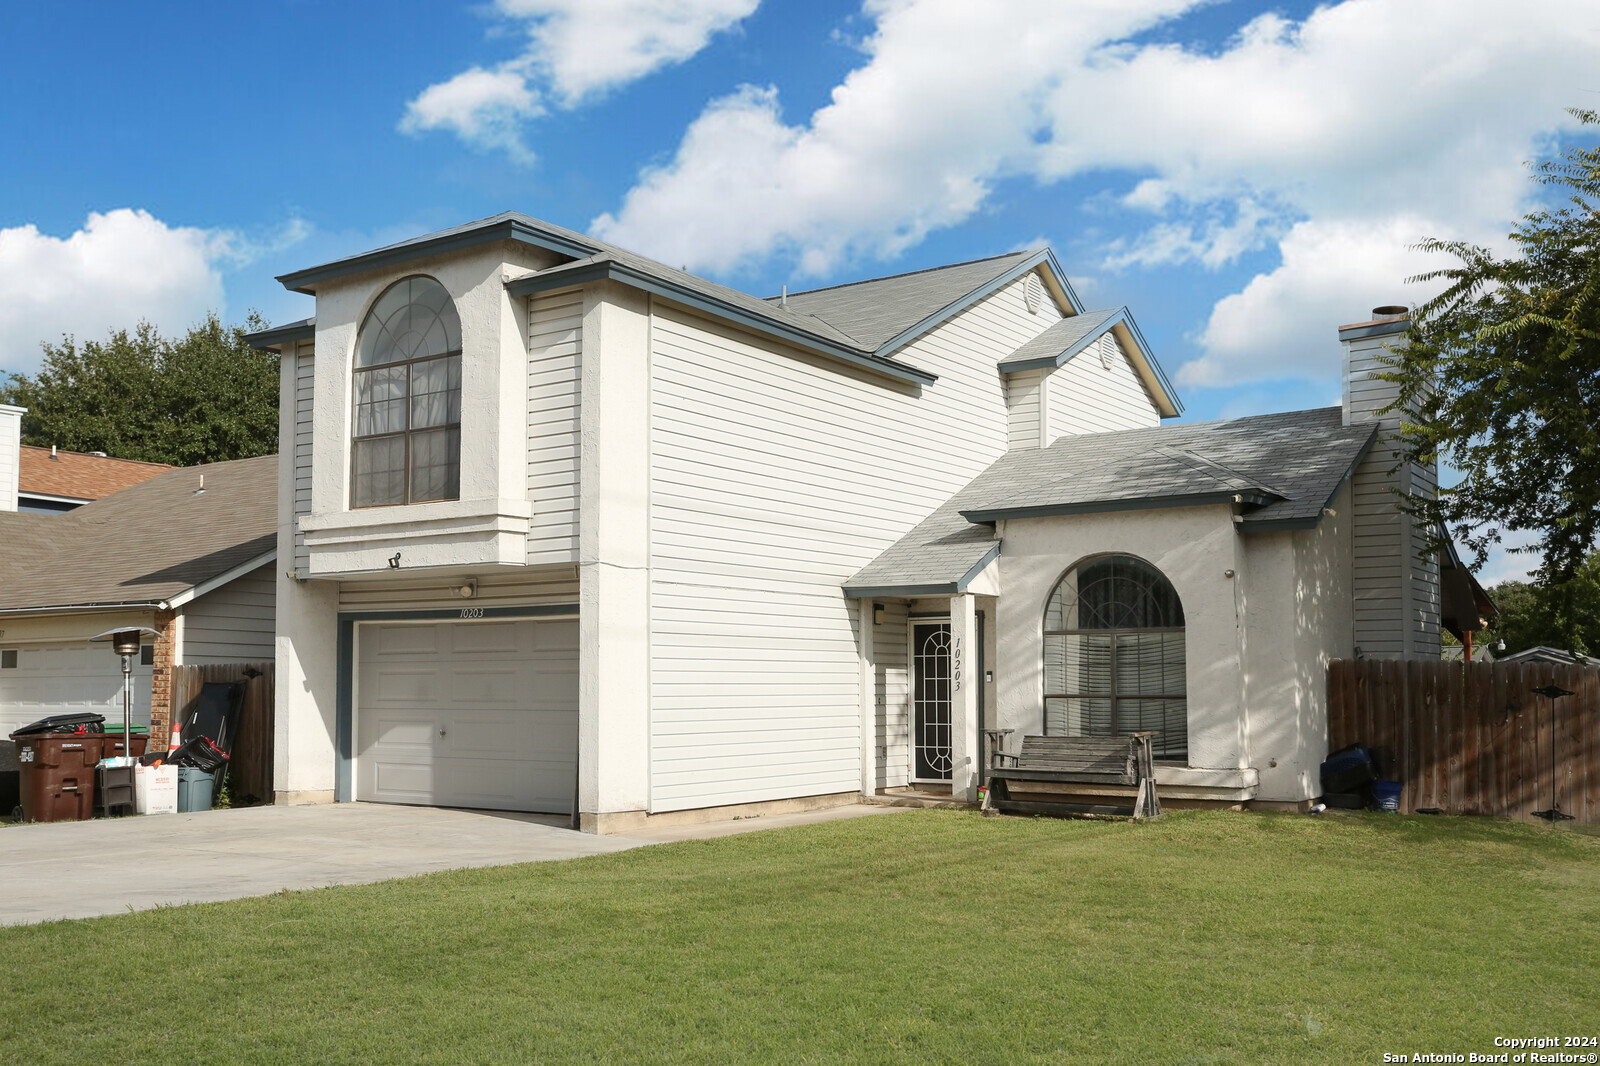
point(468, 714)
point(66, 677)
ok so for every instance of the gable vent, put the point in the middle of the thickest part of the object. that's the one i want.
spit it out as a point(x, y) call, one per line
point(1032, 293)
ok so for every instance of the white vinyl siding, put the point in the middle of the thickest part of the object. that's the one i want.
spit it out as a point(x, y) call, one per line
point(304, 387)
point(10, 458)
point(774, 478)
point(552, 586)
point(1025, 408)
point(893, 684)
point(1085, 396)
point(232, 624)
point(555, 352)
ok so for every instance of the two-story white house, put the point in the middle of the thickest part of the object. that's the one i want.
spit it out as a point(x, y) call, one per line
point(562, 525)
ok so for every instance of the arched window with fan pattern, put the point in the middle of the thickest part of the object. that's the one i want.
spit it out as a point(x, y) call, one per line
point(1114, 655)
point(406, 439)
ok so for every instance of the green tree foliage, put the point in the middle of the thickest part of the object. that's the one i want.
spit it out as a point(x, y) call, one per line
point(1558, 616)
point(1502, 376)
point(201, 398)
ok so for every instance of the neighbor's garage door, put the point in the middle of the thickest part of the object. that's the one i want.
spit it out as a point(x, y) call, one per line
point(66, 677)
point(468, 714)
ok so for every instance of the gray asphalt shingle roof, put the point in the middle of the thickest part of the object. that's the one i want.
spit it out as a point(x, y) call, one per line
point(143, 544)
point(876, 310)
point(1287, 466)
point(1064, 336)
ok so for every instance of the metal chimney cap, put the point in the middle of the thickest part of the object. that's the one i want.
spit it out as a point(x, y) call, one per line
point(1391, 311)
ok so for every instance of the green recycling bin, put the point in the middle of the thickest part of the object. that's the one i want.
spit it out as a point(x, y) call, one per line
point(194, 789)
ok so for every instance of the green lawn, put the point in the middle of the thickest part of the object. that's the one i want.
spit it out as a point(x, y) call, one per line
point(930, 936)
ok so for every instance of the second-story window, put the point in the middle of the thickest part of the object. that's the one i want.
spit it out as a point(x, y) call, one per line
point(406, 443)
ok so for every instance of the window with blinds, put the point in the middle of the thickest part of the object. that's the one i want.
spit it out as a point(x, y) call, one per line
point(1114, 655)
point(406, 445)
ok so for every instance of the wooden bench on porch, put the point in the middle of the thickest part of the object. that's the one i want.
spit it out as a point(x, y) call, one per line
point(1053, 765)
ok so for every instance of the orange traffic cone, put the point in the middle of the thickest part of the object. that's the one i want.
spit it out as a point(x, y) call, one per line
point(176, 739)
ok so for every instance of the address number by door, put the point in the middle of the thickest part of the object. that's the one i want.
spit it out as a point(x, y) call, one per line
point(472, 612)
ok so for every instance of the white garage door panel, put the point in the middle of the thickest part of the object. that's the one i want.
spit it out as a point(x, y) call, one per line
point(505, 695)
point(68, 677)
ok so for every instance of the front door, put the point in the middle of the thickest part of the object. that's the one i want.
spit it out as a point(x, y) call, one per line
point(930, 700)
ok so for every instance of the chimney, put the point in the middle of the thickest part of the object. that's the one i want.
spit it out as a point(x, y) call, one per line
point(1395, 575)
point(10, 454)
point(1365, 345)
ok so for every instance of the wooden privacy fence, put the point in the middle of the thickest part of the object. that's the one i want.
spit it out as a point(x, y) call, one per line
point(250, 767)
point(1473, 738)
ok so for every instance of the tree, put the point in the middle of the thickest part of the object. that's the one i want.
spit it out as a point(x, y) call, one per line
point(1556, 616)
point(203, 398)
point(1501, 378)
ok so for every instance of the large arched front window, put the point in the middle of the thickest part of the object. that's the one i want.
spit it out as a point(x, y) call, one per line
point(1113, 655)
point(406, 443)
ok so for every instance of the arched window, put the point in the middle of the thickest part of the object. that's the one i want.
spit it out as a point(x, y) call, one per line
point(406, 444)
point(1114, 656)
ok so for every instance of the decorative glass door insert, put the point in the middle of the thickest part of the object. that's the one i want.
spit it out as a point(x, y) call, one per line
point(931, 695)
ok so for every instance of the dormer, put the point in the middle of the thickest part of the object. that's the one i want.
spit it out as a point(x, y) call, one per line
point(1088, 373)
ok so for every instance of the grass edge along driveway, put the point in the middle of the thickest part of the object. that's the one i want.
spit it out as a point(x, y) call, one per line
point(929, 936)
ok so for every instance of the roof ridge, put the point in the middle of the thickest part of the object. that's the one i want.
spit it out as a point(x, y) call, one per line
point(1209, 467)
point(905, 274)
point(91, 455)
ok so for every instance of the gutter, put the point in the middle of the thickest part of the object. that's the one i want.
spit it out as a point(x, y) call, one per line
point(144, 605)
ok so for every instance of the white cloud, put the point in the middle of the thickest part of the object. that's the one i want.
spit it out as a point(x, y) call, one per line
point(122, 266)
point(584, 47)
point(1334, 138)
point(575, 51)
point(482, 107)
point(1333, 273)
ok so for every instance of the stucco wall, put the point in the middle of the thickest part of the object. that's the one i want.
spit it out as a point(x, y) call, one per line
point(1257, 644)
point(1192, 546)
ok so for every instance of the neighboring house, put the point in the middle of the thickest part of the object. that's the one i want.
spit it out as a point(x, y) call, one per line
point(188, 553)
point(1539, 653)
point(558, 522)
point(51, 481)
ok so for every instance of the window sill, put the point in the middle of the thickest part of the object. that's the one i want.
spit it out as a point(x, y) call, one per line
point(445, 534)
point(1197, 782)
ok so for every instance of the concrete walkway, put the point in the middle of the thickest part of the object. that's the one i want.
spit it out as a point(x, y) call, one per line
point(111, 866)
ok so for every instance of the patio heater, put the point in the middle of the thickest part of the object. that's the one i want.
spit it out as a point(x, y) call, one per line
point(1554, 814)
point(125, 642)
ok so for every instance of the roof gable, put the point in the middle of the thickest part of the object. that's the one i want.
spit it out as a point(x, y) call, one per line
point(1065, 339)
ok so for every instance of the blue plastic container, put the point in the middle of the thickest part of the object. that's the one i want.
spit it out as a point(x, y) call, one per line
point(1386, 795)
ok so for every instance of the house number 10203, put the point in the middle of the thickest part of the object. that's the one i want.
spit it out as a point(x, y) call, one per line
point(955, 665)
point(472, 612)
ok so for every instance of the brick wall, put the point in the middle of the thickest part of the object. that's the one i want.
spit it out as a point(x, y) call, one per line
point(161, 680)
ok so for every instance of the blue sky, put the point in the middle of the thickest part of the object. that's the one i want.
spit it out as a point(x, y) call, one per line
point(1244, 176)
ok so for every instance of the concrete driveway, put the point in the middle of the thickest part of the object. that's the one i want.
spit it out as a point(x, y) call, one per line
point(112, 865)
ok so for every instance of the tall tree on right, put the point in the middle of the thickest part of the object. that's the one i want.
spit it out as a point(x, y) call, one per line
point(1501, 372)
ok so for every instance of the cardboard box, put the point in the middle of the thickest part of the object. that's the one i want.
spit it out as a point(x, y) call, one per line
point(155, 790)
